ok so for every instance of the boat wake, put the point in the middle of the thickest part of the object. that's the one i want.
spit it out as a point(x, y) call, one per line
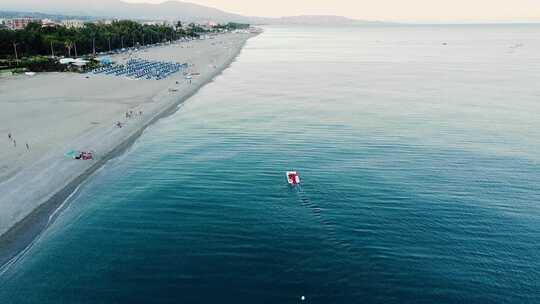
point(328, 225)
point(336, 245)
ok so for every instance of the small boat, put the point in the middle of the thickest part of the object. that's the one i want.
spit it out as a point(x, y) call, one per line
point(293, 178)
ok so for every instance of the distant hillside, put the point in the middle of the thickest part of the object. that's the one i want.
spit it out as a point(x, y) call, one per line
point(170, 10)
point(36, 15)
point(117, 9)
point(319, 20)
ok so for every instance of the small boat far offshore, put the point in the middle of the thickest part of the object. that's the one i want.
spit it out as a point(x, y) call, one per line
point(293, 178)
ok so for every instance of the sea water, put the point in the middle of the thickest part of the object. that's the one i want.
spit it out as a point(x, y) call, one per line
point(418, 148)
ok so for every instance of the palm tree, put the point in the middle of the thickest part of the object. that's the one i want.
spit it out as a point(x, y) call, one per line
point(94, 44)
point(16, 55)
point(108, 35)
point(68, 45)
point(50, 40)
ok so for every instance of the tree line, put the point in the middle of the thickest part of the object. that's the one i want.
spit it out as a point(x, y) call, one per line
point(89, 39)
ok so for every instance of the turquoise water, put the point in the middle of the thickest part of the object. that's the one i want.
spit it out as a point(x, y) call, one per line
point(420, 171)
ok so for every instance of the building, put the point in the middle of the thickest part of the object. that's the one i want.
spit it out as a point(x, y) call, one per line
point(104, 21)
point(21, 23)
point(158, 22)
point(73, 23)
point(209, 25)
point(48, 23)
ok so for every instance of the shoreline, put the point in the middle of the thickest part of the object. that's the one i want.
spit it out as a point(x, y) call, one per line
point(23, 232)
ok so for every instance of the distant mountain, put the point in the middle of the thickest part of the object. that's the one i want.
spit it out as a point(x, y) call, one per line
point(319, 20)
point(37, 15)
point(170, 10)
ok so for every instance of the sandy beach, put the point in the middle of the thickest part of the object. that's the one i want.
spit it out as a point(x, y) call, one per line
point(56, 112)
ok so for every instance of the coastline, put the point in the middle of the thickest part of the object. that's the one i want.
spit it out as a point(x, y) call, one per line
point(26, 224)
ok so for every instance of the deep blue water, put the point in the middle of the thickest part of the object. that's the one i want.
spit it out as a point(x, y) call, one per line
point(420, 166)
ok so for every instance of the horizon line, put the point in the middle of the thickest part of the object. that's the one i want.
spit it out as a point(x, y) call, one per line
point(388, 22)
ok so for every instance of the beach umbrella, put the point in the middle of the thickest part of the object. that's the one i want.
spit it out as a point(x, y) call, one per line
point(71, 153)
point(105, 60)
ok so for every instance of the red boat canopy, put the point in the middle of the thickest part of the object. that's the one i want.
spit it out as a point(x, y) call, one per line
point(293, 178)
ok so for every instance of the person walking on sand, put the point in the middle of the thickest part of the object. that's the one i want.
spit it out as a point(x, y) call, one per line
point(9, 136)
point(27, 147)
point(14, 143)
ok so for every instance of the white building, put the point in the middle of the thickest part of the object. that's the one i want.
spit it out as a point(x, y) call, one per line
point(156, 22)
point(48, 23)
point(73, 23)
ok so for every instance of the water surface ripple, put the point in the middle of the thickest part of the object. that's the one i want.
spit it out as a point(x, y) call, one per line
point(420, 172)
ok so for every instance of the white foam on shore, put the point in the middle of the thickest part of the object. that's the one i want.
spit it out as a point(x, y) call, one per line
point(22, 253)
point(52, 216)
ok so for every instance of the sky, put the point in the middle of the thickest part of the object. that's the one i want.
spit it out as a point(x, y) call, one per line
point(385, 10)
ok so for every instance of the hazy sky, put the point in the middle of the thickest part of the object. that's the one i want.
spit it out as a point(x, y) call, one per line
point(400, 10)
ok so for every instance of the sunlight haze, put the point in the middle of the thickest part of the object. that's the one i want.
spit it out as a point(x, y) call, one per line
point(391, 10)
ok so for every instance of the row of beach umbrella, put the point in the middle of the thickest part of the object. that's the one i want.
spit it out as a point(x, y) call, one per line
point(140, 68)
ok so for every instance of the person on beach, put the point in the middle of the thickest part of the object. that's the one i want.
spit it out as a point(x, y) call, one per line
point(14, 143)
point(27, 147)
point(9, 135)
